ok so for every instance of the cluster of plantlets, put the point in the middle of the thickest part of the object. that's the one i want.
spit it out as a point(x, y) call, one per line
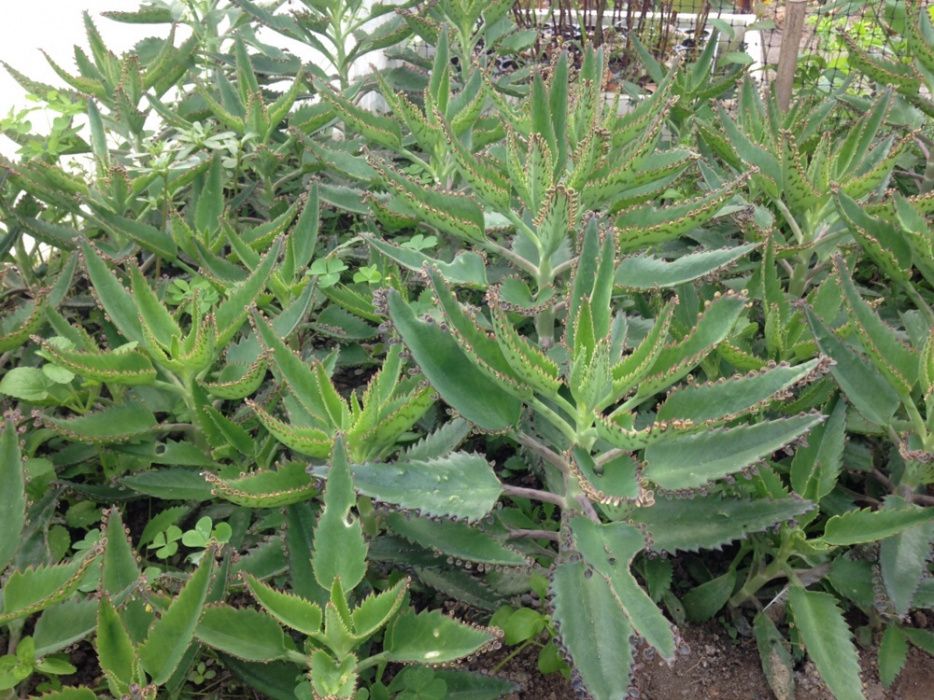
point(284, 376)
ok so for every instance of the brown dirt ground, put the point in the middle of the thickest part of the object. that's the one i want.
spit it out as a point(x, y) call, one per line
point(717, 668)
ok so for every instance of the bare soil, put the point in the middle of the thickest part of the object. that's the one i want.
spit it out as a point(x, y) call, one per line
point(717, 668)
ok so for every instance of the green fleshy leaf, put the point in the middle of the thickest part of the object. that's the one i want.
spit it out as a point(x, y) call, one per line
point(339, 550)
point(828, 642)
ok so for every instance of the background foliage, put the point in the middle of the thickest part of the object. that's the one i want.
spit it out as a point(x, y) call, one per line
point(285, 378)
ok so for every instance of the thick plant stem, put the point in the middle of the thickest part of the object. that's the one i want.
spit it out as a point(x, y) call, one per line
point(540, 450)
point(534, 495)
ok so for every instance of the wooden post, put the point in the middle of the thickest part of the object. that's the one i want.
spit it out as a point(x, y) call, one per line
point(788, 56)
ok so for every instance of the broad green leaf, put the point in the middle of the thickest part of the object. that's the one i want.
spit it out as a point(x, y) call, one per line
point(893, 653)
point(119, 568)
point(115, 650)
point(129, 422)
point(431, 637)
point(455, 539)
point(339, 550)
point(707, 599)
point(170, 484)
point(610, 549)
point(860, 526)
point(815, 466)
point(869, 392)
point(460, 485)
point(689, 461)
point(594, 630)
point(169, 636)
point(460, 383)
point(921, 638)
point(28, 591)
point(263, 488)
point(826, 637)
point(482, 350)
point(708, 522)
point(13, 494)
point(112, 295)
point(646, 272)
point(70, 693)
point(247, 634)
point(903, 563)
point(64, 624)
point(290, 609)
point(730, 397)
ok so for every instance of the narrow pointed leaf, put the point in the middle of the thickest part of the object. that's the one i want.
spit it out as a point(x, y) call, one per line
point(709, 522)
point(169, 637)
point(13, 494)
point(460, 485)
point(247, 634)
point(594, 630)
point(283, 486)
point(454, 539)
point(689, 461)
point(290, 609)
point(432, 638)
point(828, 642)
point(861, 526)
point(646, 272)
point(339, 550)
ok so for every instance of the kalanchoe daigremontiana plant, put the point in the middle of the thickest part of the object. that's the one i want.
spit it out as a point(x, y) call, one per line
point(566, 151)
point(338, 624)
point(587, 410)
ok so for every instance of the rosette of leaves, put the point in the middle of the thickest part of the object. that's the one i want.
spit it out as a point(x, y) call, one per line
point(372, 421)
point(801, 157)
point(566, 152)
point(339, 627)
point(587, 409)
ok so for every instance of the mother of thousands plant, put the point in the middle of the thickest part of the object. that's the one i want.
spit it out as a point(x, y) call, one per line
point(587, 409)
